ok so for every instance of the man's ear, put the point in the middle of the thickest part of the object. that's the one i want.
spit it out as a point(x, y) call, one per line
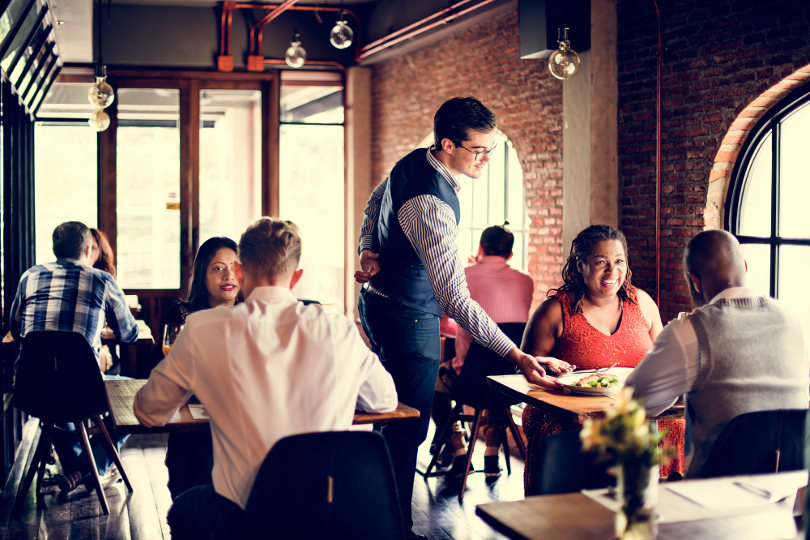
point(296, 277)
point(239, 273)
point(448, 146)
point(696, 284)
point(510, 256)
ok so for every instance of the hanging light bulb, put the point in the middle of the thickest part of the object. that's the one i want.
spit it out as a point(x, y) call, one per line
point(341, 35)
point(100, 93)
point(295, 55)
point(99, 120)
point(564, 62)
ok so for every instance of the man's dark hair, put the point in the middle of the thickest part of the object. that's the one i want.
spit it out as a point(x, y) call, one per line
point(497, 240)
point(457, 116)
point(70, 239)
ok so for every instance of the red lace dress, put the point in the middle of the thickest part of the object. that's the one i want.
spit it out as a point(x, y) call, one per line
point(586, 347)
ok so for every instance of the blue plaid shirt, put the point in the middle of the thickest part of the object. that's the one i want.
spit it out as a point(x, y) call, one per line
point(70, 296)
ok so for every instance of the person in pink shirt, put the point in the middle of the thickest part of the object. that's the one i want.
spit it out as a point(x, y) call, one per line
point(506, 295)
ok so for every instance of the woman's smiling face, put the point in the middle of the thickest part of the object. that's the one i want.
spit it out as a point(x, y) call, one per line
point(605, 269)
point(220, 280)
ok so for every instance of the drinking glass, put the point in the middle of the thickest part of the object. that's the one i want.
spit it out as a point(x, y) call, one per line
point(170, 333)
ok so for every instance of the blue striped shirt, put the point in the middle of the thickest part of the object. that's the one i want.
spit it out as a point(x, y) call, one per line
point(430, 227)
point(70, 296)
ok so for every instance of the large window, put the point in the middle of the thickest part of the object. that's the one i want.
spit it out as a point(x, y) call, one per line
point(230, 161)
point(65, 185)
point(767, 203)
point(148, 188)
point(311, 182)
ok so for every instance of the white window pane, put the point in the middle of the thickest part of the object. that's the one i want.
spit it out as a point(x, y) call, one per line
point(793, 264)
point(311, 194)
point(755, 214)
point(795, 175)
point(758, 258)
point(66, 180)
point(148, 188)
point(230, 162)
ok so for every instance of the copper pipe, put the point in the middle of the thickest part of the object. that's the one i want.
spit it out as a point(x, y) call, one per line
point(330, 63)
point(659, 56)
point(281, 8)
point(368, 51)
point(414, 25)
point(257, 28)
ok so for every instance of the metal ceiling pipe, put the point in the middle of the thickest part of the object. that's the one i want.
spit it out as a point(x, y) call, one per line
point(385, 43)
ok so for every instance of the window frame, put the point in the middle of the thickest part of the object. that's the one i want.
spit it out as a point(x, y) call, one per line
point(189, 86)
point(769, 124)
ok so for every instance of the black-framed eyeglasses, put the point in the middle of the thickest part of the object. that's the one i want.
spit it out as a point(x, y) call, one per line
point(481, 153)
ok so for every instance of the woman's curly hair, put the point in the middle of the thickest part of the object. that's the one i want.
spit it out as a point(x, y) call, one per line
point(581, 249)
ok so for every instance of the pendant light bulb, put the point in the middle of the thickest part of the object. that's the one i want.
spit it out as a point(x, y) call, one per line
point(99, 120)
point(341, 35)
point(100, 94)
point(564, 62)
point(295, 55)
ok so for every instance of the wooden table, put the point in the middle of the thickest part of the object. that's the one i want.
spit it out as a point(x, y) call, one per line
point(575, 407)
point(576, 516)
point(121, 395)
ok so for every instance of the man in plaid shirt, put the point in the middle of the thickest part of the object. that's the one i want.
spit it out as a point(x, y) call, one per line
point(71, 295)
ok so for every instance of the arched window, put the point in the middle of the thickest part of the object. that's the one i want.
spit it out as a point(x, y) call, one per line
point(768, 199)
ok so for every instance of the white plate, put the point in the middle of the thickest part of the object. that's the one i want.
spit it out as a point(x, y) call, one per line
point(569, 381)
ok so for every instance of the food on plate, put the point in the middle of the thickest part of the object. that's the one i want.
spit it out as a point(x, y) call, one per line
point(598, 380)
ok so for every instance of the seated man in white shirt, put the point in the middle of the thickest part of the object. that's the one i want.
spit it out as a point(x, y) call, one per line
point(737, 352)
point(263, 369)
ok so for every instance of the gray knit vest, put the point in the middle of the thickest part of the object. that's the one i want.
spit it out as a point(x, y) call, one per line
point(751, 358)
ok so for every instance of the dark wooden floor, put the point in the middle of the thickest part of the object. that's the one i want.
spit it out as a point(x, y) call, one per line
point(142, 514)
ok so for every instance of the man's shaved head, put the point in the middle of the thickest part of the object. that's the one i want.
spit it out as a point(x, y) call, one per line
point(715, 259)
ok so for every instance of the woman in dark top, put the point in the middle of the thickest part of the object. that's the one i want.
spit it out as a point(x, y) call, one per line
point(189, 456)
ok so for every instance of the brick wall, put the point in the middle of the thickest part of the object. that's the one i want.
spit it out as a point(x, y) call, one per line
point(719, 57)
point(484, 62)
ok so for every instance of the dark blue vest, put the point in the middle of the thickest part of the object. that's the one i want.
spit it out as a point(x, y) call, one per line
point(402, 275)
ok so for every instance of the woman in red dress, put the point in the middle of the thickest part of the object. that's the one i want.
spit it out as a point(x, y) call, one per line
point(595, 319)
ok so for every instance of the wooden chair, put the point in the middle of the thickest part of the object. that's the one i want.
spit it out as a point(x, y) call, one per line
point(471, 389)
point(759, 442)
point(58, 381)
point(335, 484)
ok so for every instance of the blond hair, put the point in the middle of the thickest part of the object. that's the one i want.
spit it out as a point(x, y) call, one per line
point(270, 247)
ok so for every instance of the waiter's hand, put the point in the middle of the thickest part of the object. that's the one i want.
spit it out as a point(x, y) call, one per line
point(532, 369)
point(369, 266)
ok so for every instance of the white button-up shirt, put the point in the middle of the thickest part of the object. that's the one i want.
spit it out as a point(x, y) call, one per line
point(265, 369)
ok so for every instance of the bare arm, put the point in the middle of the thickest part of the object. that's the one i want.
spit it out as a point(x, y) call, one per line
point(650, 312)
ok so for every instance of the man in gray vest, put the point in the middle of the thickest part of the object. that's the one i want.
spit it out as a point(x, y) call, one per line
point(737, 352)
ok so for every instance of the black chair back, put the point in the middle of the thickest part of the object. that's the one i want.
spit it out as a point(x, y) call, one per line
point(759, 442)
point(336, 484)
point(472, 387)
point(58, 379)
point(562, 467)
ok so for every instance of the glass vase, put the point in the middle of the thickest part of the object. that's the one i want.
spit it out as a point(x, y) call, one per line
point(637, 490)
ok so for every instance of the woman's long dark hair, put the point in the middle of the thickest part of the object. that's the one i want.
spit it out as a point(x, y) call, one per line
point(197, 292)
point(581, 249)
point(106, 257)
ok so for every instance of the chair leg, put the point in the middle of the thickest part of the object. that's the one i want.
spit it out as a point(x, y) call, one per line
point(516, 434)
point(442, 441)
point(113, 451)
point(40, 455)
point(502, 433)
point(470, 448)
point(102, 499)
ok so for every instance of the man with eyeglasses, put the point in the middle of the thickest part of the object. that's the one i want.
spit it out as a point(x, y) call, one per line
point(411, 274)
